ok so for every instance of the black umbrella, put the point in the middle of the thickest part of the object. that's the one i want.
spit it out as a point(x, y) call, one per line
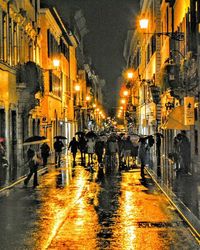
point(60, 137)
point(91, 134)
point(80, 133)
point(36, 139)
point(143, 138)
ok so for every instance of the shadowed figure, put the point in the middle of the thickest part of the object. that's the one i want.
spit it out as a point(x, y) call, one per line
point(33, 164)
point(58, 146)
point(82, 146)
point(99, 150)
point(74, 145)
point(142, 154)
point(45, 149)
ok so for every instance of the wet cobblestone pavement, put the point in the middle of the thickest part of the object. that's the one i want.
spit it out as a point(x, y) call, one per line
point(72, 209)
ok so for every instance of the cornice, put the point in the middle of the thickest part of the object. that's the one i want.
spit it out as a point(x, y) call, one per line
point(18, 17)
point(53, 26)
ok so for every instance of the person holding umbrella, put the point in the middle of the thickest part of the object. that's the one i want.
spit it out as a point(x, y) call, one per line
point(82, 145)
point(33, 163)
point(45, 149)
point(58, 146)
point(74, 145)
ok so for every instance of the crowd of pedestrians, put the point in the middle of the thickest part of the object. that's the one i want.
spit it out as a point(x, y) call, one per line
point(114, 152)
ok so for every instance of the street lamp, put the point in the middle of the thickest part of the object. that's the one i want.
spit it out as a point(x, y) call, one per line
point(178, 36)
point(144, 22)
point(123, 101)
point(77, 87)
point(88, 98)
point(125, 93)
point(56, 62)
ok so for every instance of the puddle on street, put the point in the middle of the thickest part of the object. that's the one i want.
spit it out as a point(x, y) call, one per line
point(79, 209)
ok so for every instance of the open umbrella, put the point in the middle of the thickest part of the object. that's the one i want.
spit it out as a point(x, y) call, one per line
point(80, 133)
point(2, 139)
point(36, 139)
point(60, 137)
point(91, 134)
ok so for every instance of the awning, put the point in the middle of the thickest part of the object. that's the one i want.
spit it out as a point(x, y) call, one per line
point(175, 120)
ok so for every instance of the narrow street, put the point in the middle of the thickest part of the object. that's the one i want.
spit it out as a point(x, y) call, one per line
point(72, 209)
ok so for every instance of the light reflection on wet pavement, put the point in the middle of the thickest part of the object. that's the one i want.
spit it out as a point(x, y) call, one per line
point(72, 210)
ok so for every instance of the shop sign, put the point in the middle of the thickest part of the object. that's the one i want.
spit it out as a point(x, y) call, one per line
point(189, 110)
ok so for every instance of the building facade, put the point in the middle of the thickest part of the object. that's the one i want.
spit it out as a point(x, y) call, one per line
point(19, 46)
point(165, 57)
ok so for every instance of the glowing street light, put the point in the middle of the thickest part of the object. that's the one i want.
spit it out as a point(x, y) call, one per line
point(123, 101)
point(88, 98)
point(130, 75)
point(125, 93)
point(144, 22)
point(77, 87)
point(178, 36)
point(56, 62)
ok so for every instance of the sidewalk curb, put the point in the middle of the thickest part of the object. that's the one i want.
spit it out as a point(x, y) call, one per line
point(22, 178)
point(184, 211)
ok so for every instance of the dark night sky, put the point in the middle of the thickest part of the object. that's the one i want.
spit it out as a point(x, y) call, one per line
point(107, 21)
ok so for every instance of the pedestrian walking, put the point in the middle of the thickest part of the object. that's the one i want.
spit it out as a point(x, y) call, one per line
point(128, 146)
point(142, 154)
point(30, 153)
point(58, 146)
point(99, 150)
point(134, 151)
point(112, 149)
point(82, 146)
point(120, 149)
point(74, 145)
point(90, 149)
point(45, 149)
point(33, 164)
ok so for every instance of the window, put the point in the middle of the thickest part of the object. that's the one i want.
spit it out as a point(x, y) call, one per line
point(15, 52)
point(153, 44)
point(30, 50)
point(2, 123)
point(10, 37)
point(4, 37)
point(148, 54)
point(54, 84)
point(167, 20)
point(52, 45)
point(64, 49)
